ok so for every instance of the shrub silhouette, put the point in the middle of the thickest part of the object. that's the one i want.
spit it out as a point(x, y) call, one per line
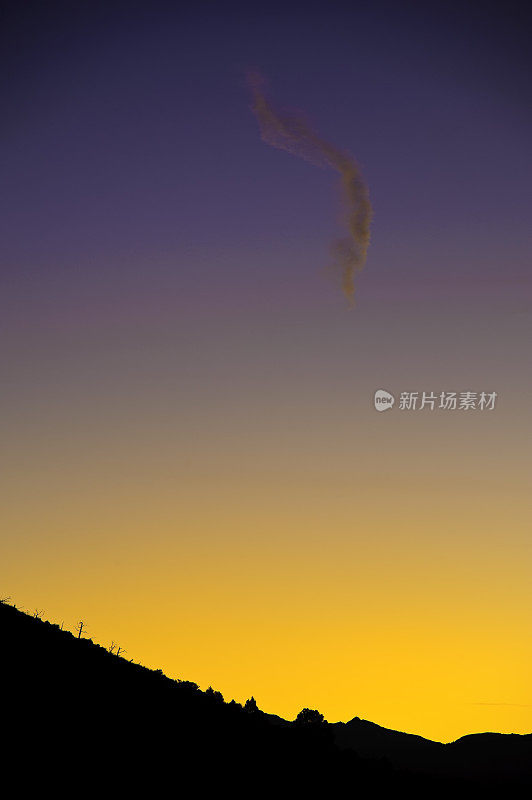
point(251, 706)
point(309, 716)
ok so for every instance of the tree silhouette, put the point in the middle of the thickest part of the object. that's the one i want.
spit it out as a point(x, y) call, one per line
point(309, 716)
point(79, 628)
point(216, 696)
point(251, 705)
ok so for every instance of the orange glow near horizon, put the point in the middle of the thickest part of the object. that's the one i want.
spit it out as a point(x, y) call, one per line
point(371, 565)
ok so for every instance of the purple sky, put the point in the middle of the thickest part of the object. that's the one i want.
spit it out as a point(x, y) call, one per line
point(131, 163)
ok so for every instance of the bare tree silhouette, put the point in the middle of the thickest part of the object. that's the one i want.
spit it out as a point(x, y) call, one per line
point(79, 628)
point(119, 650)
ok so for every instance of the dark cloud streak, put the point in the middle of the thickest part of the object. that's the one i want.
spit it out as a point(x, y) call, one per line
point(289, 131)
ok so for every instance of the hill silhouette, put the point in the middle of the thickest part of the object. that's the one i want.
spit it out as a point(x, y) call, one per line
point(77, 718)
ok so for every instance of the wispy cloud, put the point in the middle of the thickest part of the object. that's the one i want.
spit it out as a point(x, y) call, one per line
point(517, 705)
point(289, 131)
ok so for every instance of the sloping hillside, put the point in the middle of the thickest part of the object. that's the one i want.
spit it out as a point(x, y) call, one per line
point(498, 758)
point(75, 715)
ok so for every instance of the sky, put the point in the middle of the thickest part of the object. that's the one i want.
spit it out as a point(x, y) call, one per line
point(191, 458)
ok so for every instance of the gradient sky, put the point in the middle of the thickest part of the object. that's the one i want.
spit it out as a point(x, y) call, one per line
point(191, 459)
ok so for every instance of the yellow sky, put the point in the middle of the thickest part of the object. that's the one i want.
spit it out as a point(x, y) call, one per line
point(254, 525)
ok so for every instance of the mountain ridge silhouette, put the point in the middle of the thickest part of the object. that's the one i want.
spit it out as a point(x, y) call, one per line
point(78, 702)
